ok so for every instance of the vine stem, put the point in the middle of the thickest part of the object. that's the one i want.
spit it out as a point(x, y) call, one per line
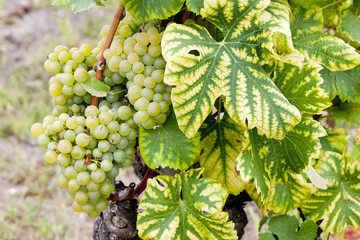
point(332, 4)
point(142, 185)
point(101, 63)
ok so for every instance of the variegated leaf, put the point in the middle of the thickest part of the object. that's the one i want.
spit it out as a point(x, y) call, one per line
point(291, 154)
point(335, 141)
point(278, 43)
point(195, 5)
point(339, 205)
point(167, 146)
point(147, 10)
point(184, 207)
point(300, 85)
point(345, 84)
point(319, 47)
point(222, 140)
point(350, 24)
point(283, 197)
point(229, 68)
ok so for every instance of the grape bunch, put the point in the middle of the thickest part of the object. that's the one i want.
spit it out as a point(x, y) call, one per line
point(90, 150)
point(90, 143)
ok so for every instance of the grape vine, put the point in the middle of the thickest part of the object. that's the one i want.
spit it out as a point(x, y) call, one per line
point(232, 96)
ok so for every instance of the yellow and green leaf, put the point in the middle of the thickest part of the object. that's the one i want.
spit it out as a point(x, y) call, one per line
point(319, 47)
point(301, 86)
point(184, 207)
point(96, 87)
point(350, 25)
point(229, 68)
point(335, 141)
point(167, 146)
point(222, 140)
point(147, 10)
point(339, 205)
point(345, 84)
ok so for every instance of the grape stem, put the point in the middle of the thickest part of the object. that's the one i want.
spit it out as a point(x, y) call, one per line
point(185, 15)
point(142, 185)
point(101, 63)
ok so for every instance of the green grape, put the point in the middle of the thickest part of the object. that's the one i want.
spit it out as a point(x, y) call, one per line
point(37, 129)
point(80, 165)
point(139, 80)
point(77, 152)
point(55, 89)
point(98, 176)
point(138, 67)
point(92, 166)
point(154, 109)
point(149, 82)
point(114, 138)
point(141, 104)
point(52, 146)
point(73, 185)
point(158, 75)
point(127, 162)
point(92, 122)
point(93, 186)
point(101, 205)
point(100, 132)
point(106, 188)
point(149, 70)
point(161, 118)
point(88, 208)
point(93, 214)
point(111, 98)
point(68, 91)
point(117, 79)
point(117, 47)
point(140, 117)
point(93, 143)
point(77, 207)
point(60, 48)
point(124, 142)
point(133, 58)
point(160, 62)
point(105, 118)
point(112, 174)
point(124, 129)
point(134, 92)
point(78, 56)
point(130, 76)
point(70, 172)
point(79, 129)
point(60, 100)
point(164, 106)
point(113, 64)
point(81, 197)
point(140, 50)
point(104, 146)
point(147, 93)
point(113, 127)
point(83, 178)
point(125, 31)
point(70, 135)
point(91, 111)
point(54, 67)
point(80, 120)
point(63, 181)
point(85, 49)
point(81, 75)
point(130, 152)
point(71, 123)
point(64, 146)
point(43, 140)
point(142, 39)
point(63, 160)
point(148, 59)
point(155, 38)
point(90, 61)
point(125, 66)
point(160, 88)
point(94, 196)
point(97, 153)
point(119, 155)
point(158, 97)
point(106, 165)
point(50, 156)
point(154, 50)
point(132, 135)
point(148, 26)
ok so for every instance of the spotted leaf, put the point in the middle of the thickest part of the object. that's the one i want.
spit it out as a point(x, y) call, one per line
point(319, 47)
point(222, 141)
point(301, 86)
point(147, 10)
point(184, 207)
point(228, 68)
point(167, 146)
point(339, 205)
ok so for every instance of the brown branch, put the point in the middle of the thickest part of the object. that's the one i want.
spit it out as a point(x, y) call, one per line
point(185, 15)
point(142, 185)
point(101, 63)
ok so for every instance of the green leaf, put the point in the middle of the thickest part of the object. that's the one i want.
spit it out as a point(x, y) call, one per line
point(335, 141)
point(291, 154)
point(147, 10)
point(346, 84)
point(283, 197)
point(278, 43)
point(349, 112)
point(229, 68)
point(167, 146)
point(184, 207)
point(300, 85)
point(266, 236)
point(77, 5)
point(339, 205)
point(309, 3)
point(195, 5)
point(350, 25)
point(95, 87)
point(222, 141)
point(319, 47)
point(287, 228)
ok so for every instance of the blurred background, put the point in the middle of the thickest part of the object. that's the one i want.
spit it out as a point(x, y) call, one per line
point(32, 206)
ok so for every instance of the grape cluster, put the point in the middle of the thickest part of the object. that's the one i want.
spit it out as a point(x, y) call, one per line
point(90, 143)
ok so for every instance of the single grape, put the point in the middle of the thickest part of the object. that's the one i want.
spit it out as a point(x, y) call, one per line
point(37, 129)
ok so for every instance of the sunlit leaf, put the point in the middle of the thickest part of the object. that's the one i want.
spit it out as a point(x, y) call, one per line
point(167, 146)
point(95, 87)
point(229, 68)
point(339, 205)
point(184, 207)
point(195, 5)
point(222, 141)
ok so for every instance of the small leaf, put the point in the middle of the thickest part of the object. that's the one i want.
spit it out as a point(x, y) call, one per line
point(174, 209)
point(345, 84)
point(222, 141)
point(335, 141)
point(319, 47)
point(195, 5)
point(301, 86)
point(147, 10)
point(167, 146)
point(95, 87)
point(230, 68)
point(339, 205)
point(286, 228)
point(350, 25)
point(82, 5)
